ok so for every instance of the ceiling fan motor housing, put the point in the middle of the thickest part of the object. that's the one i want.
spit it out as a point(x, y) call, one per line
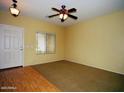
point(63, 11)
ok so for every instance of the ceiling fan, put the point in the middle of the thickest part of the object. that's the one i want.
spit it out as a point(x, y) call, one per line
point(63, 13)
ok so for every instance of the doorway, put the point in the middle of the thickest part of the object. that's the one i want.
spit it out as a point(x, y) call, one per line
point(11, 46)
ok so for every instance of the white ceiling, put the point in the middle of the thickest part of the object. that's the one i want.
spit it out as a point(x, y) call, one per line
point(86, 9)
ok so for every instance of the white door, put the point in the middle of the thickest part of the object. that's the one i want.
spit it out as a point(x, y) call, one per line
point(11, 46)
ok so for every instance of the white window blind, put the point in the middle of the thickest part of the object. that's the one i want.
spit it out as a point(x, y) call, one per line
point(41, 42)
point(50, 43)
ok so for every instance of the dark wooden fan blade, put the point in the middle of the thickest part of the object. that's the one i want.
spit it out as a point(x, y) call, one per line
point(53, 15)
point(55, 9)
point(72, 10)
point(73, 17)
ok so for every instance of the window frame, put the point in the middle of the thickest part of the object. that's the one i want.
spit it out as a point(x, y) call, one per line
point(46, 48)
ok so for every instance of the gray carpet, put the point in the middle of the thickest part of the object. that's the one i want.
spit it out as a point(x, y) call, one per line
point(72, 77)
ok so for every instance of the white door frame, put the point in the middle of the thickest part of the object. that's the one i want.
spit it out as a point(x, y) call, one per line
point(22, 29)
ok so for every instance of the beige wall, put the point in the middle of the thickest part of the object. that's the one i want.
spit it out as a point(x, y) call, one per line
point(31, 26)
point(98, 42)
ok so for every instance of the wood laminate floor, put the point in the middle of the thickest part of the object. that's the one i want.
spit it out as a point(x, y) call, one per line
point(25, 80)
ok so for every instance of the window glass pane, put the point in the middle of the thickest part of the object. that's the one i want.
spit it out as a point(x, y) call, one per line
point(51, 43)
point(41, 43)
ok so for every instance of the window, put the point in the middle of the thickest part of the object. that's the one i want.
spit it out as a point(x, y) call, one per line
point(50, 48)
point(45, 43)
point(41, 43)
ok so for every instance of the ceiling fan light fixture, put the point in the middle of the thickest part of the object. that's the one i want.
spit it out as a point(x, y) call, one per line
point(14, 11)
point(63, 16)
